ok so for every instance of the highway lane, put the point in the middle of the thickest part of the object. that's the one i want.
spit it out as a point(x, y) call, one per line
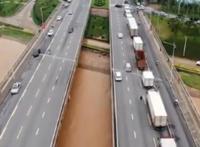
point(166, 92)
point(132, 123)
point(35, 118)
point(42, 42)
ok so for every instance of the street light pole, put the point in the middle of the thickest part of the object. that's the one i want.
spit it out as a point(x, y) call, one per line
point(179, 5)
point(184, 48)
point(41, 12)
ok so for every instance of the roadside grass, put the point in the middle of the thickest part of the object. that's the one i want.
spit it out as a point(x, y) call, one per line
point(188, 69)
point(17, 34)
point(43, 8)
point(100, 4)
point(174, 31)
point(97, 28)
point(10, 7)
point(192, 80)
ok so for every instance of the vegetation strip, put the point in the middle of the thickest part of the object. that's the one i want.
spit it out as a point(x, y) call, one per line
point(192, 80)
point(100, 4)
point(42, 9)
point(98, 28)
point(16, 33)
point(174, 30)
point(10, 7)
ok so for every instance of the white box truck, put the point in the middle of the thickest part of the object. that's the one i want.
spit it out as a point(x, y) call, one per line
point(167, 142)
point(127, 11)
point(128, 15)
point(133, 27)
point(147, 79)
point(127, 7)
point(137, 43)
point(157, 109)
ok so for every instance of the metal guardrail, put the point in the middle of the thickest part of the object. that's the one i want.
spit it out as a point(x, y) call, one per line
point(115, 141)
point(189, 111)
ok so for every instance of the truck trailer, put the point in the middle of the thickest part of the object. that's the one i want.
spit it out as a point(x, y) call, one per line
point(139, 53)
point(147, 79)
point(167, 142)
point(157, 109)
point(127, 11)
point(128, 15)
point(133, 27)
point(127, 7)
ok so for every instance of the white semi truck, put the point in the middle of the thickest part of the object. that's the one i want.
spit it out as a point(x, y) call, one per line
point(133, 27)
point(137, 43)
point(167, 142)
point(148, 79)
point(157, 109)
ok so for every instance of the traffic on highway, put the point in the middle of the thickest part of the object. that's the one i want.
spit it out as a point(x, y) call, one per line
point(36, 115)
point(145, 113)
point(145, 109)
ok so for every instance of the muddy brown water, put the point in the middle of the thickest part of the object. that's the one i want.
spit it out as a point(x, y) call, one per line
point(87, 117)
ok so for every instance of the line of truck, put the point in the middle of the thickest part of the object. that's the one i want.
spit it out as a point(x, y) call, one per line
point(157, 111)
point(137, 40)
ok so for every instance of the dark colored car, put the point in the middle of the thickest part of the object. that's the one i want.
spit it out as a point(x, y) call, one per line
point(36, 53)
point(125, 2)
point(118, 6)
point(71, 30)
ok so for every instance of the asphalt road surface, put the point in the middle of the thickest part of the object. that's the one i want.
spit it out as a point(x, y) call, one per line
point(132, 120)
point(35, 117)
point(133, 125)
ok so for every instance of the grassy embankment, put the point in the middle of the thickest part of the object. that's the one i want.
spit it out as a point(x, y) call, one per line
point(190, 75)
point(192, 80)
point(175, 32)
point(9, 7)
point(98, 28)
point(100, 4)
point(43, 8)
point(15, 33)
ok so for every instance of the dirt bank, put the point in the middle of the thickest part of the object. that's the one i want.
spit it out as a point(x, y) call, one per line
point(87, 119)
point(10, 51)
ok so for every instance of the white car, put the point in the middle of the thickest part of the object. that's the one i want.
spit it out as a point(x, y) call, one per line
point(70, 13)
point(50, 33)
point(128, 67)
point(15, 88)
point(65, 5)
point(118, 76)
point(120, 35)
point(198, 63)
point(59, 18)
